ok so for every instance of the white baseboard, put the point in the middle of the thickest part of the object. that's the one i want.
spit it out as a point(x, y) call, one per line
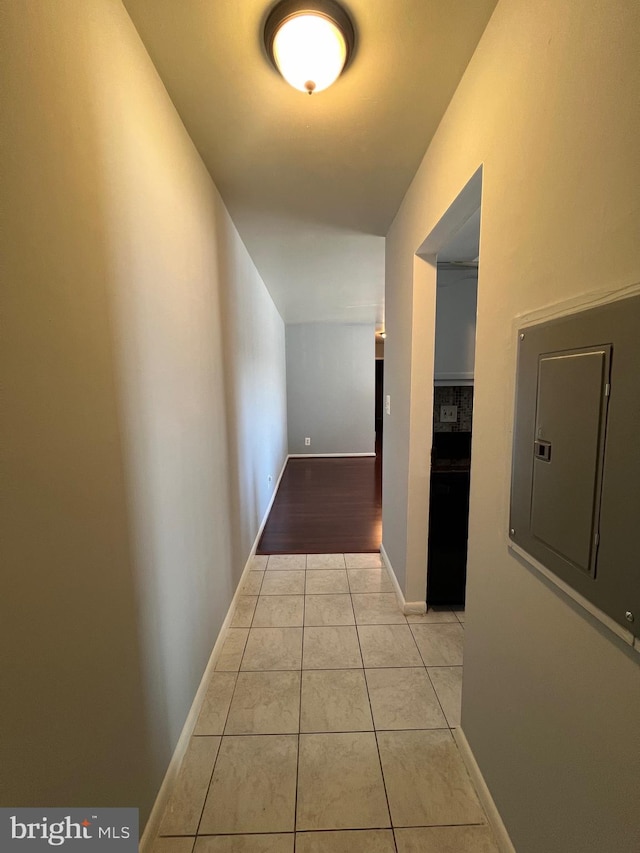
point(254, 547)
point(493, 815)
point(414, 608)
point(392, 575)
point(409, 608)
point(325, 455)
point(153, 823)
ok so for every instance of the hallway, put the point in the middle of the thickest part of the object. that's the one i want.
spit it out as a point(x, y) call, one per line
point(327, 724)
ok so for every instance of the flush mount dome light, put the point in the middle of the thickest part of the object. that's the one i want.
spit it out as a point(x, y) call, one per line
point(309, 42)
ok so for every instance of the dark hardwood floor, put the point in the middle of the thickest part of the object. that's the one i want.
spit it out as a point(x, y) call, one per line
point(326, 506)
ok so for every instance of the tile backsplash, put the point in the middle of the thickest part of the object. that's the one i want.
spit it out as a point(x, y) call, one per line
point(453, 395)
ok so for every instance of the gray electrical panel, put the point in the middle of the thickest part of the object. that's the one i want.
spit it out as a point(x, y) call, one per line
point(575, 492)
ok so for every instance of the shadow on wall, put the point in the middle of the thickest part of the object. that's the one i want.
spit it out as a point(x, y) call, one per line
point(126, 539)
point(253, 346)
point(75, 721)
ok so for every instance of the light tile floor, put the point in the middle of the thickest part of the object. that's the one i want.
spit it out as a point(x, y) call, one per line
point(326, 727)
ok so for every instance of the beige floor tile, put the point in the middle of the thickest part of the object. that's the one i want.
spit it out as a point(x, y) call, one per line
point(276, 843)
point(335, 701)
point(339, 782)
point(273, 648)
point(325, 561)
point(440, 645)
point(388, 645)
point(460, 615)
point(331, 648)
point(346, 841)
point(427, 783)
point(243, 613)
point(369, 580)
point(446, 839)
point(404, 699)
point(173, 845)
point(363, 561)
point(328, 610)
point(182, 814)
point(447, 681)
point(287, 561)
point(279, 611)
point(253, 789)
point(265, 703)
point(284, 583)
point(377, 608)
point(259, 563)
point(252, 583)
point(232, 650)
point(329, 581)
point(432, 616)
point(213, 714)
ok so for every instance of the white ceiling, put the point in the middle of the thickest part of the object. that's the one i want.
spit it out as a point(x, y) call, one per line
point(313, 182)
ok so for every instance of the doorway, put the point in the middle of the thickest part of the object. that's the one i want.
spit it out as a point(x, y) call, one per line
point(421, 385)
point(453, 377)
point(379, 406)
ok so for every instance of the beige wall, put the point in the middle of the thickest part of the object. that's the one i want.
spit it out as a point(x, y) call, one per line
point(331, 387)
point(145, 409)
point(549, 108)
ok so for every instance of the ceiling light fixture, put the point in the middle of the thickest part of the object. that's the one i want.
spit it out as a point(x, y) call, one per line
point(309, 42)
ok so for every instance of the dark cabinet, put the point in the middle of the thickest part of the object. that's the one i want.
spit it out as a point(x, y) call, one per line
point(448, 520)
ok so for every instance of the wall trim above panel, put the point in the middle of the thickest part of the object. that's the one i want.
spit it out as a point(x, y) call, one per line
point(564, 307)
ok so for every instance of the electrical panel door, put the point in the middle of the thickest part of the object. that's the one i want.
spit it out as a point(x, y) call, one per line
point(575, 494)
point(567, 452)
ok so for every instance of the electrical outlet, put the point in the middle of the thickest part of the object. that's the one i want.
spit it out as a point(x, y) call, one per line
point(307, 442)
point(448, 414)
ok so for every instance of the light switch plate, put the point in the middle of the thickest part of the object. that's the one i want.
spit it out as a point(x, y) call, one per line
point(448, 414)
